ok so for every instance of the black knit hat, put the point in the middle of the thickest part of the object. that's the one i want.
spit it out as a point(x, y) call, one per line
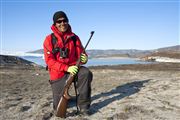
point(59, 14)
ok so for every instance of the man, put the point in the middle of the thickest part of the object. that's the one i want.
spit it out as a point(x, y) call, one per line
point(61, 59)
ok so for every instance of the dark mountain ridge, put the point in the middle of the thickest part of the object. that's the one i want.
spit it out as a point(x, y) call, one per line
point(14, 61)
point(95, 53)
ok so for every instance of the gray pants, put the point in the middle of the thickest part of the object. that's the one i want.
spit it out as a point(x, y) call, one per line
point(83, 87)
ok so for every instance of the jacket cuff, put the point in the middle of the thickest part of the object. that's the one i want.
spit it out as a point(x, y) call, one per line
point(66, 67)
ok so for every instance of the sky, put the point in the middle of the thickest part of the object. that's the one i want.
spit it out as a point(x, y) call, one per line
point(118, 24)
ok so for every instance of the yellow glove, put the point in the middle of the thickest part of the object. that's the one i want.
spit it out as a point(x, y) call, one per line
point(84, 58)
point(73, 70)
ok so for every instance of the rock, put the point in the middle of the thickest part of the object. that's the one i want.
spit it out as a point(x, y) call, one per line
point(47, 116)
point(25, 108)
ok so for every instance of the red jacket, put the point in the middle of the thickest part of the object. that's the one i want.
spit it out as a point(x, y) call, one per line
point(58, 66)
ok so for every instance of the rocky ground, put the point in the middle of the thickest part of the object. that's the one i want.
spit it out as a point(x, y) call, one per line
point(123, 92)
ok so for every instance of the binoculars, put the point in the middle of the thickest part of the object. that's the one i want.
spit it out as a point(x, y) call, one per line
point(63, 52)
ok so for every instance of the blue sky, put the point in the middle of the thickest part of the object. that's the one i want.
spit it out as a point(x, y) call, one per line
point(118, 24)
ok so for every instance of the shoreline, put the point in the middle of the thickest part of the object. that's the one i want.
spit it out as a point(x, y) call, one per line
point(155, 66)
point(152, 67)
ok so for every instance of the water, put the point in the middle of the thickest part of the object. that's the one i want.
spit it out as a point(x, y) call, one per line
point(92, 62)
point(37, 60)
point(106, 61)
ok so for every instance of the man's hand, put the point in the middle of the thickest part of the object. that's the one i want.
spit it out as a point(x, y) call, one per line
point(84, 58)
point(73, 70)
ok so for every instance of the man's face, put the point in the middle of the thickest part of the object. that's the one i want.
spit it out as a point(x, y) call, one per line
point(62, 24)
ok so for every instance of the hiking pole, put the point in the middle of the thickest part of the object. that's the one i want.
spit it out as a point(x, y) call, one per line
point(63, 102)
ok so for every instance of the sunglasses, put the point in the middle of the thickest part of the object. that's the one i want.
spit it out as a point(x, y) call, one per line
point(60, 21)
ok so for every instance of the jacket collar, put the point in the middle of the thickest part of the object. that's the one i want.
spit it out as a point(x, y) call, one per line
point(62, 37)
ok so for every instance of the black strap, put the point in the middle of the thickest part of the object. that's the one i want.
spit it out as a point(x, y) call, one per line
point(74, 40)
point(53, 40)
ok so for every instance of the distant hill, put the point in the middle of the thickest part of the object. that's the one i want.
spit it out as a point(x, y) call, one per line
point(170, 49)
point(40, 51)
point(109, 53)
point(166, 54)
point(117, 53)
point(171, 52)
point(95, 53)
